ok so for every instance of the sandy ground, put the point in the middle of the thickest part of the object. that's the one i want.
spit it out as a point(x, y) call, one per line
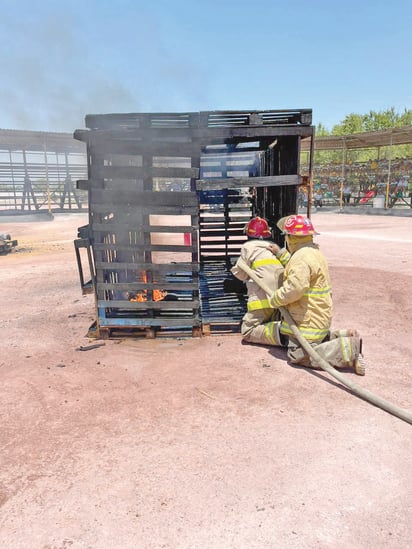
point(201, 443)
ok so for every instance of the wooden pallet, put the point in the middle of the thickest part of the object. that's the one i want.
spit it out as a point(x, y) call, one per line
point(168, 200)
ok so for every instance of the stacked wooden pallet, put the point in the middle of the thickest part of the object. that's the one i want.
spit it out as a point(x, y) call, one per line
point(168, 200)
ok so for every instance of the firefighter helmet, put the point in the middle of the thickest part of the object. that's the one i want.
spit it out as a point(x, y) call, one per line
point(258, 227)
point(296, 225)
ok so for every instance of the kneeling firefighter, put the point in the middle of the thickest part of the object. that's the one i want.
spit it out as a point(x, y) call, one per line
point(262, 321)
point(306, 293)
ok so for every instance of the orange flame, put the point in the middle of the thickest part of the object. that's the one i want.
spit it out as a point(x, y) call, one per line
point(141, 297)
point(158, 295)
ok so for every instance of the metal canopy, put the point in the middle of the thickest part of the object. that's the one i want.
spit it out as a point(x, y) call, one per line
point(366, 140)
point(18, 140)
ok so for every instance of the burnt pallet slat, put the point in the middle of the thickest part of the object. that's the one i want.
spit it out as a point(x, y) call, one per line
point(161, 322)
point(132, 120)
point(156, 305)
point(159, 285)
point(224, 233)
point(136, 172)
point(239, 182)
point(103, 247)
point(113, 227)
point(147, 198)
point(203, 118)
point(158, 209)
point(155, 267)
point(154, 148)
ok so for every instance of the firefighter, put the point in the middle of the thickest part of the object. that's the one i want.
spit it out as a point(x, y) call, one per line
point(261, 323)
point(306, 293)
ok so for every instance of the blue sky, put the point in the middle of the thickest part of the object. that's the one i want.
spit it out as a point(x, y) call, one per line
point(61, 60)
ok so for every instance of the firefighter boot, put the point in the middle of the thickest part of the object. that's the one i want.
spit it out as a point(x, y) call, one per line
point(340, 352)
point(359, 364)
point(351, 348)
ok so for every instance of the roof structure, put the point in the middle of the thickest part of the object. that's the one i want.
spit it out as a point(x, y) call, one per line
point(61, 142)
point(17, 140)
point(366, 140)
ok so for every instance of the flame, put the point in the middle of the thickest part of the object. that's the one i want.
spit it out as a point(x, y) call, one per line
point(141, 297)
point(158, 295)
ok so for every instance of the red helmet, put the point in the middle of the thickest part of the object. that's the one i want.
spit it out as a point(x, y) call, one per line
point(258, 227)
point(296, 225)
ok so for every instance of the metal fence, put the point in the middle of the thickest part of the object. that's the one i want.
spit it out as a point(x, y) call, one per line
point(39, 170)
point(359, 183)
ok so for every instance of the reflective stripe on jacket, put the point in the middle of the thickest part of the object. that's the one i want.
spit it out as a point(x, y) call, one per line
point(306, 292)
point(257, 256)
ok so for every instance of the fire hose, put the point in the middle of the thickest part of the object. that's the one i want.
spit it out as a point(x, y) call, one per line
point(356, 389)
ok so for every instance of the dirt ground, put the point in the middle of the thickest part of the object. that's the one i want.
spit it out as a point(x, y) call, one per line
point(201, 443)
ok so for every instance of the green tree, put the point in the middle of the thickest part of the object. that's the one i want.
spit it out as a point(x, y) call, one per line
point(352, 123)
point(321, 130)
point(373, 121)
point(358, 123)
point(330, 161)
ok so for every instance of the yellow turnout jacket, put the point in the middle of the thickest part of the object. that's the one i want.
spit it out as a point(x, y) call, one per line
point(306, 291)
point(258, 257)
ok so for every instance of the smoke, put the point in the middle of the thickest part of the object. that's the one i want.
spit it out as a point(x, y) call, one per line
point(49, 82)
point(58, 66)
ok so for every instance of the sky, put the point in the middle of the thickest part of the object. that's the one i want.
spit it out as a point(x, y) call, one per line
point(63, 59)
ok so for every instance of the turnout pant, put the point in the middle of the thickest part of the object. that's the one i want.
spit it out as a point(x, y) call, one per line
point(262, 326)
point(340, 351)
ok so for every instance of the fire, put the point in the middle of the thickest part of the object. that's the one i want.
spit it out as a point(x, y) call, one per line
point(141, 297)
point(158, 295)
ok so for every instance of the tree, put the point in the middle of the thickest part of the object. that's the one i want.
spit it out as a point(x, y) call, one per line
point(358, 123)
point(352, 123)
point(321, 130)
point(330, 161)
point(373, 121)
